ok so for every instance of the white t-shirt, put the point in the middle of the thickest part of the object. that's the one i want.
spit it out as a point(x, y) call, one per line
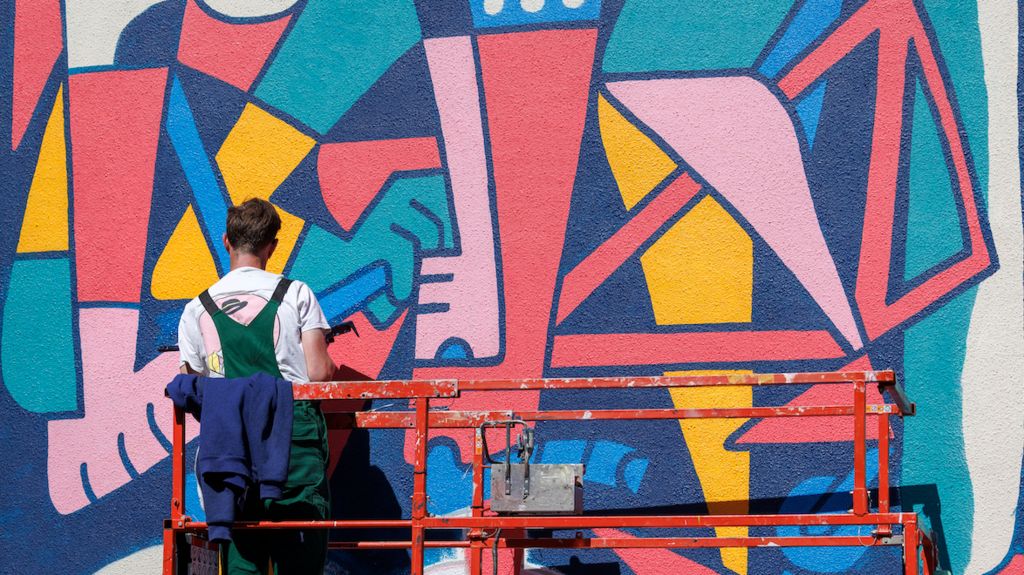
point(241, 294)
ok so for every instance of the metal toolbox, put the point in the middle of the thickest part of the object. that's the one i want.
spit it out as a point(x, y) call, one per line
point(538, 488)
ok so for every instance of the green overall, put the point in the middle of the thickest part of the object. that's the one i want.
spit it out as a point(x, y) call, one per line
point(249, 349)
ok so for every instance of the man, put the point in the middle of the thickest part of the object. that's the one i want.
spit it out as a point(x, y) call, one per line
point(255, 321)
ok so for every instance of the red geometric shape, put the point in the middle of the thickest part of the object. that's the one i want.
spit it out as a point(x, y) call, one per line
point(115, 128)
point(536, 87)
point(654, 560)
point(1015, 567)
point(353, 173)
point(817, 429)
point(579, 283)
point(234, 53)
point(619, 349)
point(38, 40)
point(898, 23)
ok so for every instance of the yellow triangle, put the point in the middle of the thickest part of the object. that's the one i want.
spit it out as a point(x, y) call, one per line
point(45, 227)
point(637, 163)
point(724, 475)
point(186, 267)
point(259, 153)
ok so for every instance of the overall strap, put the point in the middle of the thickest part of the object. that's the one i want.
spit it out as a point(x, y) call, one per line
point(282, 288)
point(208, 303)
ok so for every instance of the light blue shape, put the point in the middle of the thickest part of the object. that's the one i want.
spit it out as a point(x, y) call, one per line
point(210, 202)
point(449, 483)
point(411, 220)
point(814, 17)
point(933, 359)
point(691, 34)
point(809, 110)
point(339, 302)
point(192, 502)
point(634, 474)
point(37, 354)
point(563, 451)
point(334, 53)
point(456, 350)
point(604, 460)
point(512, 13)
point(933, 223)
point(837, 500)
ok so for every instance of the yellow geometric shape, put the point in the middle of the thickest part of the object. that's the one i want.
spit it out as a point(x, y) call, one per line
point(637, 163)
point(724, 475)
point(256, 157)
point(702, 269)
point(185, 267)
point(45, 226)
point(259, 153)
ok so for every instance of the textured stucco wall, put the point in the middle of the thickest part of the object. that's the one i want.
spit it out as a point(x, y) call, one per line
point(525, 188)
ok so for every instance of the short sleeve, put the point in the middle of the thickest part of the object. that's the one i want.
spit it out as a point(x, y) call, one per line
point(310, 315)
point(190, 341)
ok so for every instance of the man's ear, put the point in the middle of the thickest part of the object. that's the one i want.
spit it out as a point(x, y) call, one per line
point(273, 246)
point(227, 244)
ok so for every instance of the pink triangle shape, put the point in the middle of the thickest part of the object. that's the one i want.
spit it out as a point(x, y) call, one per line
point(38, 41)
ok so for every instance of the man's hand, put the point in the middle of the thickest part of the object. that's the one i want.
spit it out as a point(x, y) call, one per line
point(319, 366)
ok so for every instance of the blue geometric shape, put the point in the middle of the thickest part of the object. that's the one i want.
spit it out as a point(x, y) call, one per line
point(37, 355)
point(634, 474)
point(563, 451)
point(211, 205)
point(339, 302)
point(516, 12)
point(809, 110)
point(814, 17)
point(604, 461)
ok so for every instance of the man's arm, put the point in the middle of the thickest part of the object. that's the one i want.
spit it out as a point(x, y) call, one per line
point(319, 365)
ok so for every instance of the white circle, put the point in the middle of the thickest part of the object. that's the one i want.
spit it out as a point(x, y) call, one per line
point(492, 7)
point(531, 5)
point(573, 3)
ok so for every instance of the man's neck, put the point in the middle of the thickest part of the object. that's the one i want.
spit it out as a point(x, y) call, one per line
point(247, 260)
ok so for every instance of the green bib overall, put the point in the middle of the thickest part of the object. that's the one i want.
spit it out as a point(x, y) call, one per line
point(248, 349)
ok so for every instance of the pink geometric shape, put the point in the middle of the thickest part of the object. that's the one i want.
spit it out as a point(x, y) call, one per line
point(352, 173)
point(1015, 567)
point(116, 399)
point(654, 561)
point(234, 53)
point(736, 134)
point(115, 128)
point(472, 292)
point(536, 87)
point(38, 41)
point(817, 429)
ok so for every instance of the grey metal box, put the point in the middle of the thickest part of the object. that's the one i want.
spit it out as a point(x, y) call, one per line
point(555, 489)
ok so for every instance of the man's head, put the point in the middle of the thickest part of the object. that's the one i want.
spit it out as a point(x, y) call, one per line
point(252, 231)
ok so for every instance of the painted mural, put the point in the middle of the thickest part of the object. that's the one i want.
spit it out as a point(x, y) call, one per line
point(525, 188)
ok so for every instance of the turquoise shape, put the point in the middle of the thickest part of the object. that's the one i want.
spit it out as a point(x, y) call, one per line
point(334, 53)
point(604, 461)
point(933, 440)
point(37, 354)
point(933, 224)
point(411, 220)
point(691, 34)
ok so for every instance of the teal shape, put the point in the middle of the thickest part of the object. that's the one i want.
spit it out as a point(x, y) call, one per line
point(37, 354)
point(933, 443)
point(412, 219)
point(691, 34)
point(334, 53)
point(933, 223)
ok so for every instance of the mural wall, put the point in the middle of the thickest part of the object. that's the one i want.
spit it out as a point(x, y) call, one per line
point(525, 188)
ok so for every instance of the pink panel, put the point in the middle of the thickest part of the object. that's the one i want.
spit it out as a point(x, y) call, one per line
point(654, 561)
point(472, 293)
point(1016, 566)
point(817, 429)
point(234, 53)
point(736, 134)
point(536, 87)
point(115, 129)
point(116, 399)
point(352, 173)
point(38, 40)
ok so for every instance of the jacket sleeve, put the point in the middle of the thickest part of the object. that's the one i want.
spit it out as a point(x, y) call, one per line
point(186, 391)
point(269, 430)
